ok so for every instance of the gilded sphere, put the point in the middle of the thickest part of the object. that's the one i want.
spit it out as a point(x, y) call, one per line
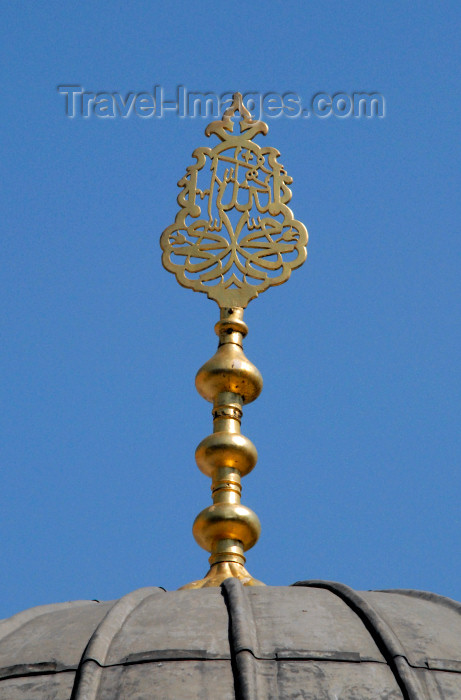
point(226, 521)
point(229, 371)
point(223, 449)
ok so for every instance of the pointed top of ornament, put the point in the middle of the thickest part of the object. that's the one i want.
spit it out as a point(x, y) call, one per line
point(234, 235)
point(246, 121)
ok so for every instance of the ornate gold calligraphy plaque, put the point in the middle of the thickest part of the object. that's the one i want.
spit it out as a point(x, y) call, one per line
point(234, 235)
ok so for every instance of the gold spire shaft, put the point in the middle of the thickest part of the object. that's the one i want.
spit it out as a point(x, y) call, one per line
point(227, 529)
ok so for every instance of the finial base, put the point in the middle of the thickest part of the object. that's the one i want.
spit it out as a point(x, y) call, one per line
point(219, 572)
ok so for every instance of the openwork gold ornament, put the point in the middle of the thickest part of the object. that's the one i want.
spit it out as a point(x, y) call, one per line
point(234, 235)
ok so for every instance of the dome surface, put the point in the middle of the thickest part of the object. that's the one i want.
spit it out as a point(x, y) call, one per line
point(316, 640)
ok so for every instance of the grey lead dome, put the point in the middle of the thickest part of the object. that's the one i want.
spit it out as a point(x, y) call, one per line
point(316, 640)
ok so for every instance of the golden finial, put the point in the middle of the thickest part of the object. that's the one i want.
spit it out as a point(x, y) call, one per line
point(233, 237)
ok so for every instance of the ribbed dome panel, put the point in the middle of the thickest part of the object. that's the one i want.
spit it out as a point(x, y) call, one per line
point(317, 640)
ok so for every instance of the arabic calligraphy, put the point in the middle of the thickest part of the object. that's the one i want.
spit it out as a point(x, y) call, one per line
point(234, 235)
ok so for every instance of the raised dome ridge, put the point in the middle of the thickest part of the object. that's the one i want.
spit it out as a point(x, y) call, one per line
point(316, 639)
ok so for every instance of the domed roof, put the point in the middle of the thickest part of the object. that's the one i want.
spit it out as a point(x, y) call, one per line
point(316, 639)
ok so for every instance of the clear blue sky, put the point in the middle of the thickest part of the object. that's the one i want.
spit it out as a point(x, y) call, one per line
point(357, 428)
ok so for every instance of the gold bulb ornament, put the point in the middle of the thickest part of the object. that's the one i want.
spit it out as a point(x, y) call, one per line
point(233, 237)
